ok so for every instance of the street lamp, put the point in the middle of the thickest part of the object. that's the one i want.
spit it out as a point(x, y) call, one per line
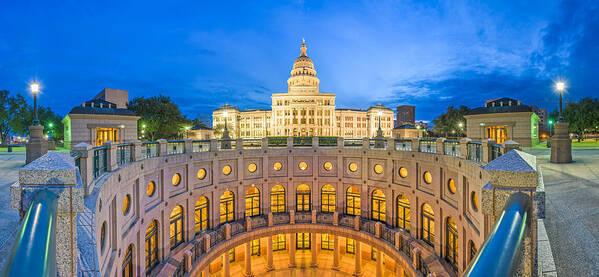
point(187, 131)
point(35, 89)
point(560, 86)
point(226, 131)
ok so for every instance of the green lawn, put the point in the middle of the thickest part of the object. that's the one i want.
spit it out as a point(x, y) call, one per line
point(22, 149)
point(575, 144)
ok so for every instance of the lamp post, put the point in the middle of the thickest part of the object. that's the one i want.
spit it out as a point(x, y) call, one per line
point(187, 131)
point(35, 88)
point(461, 125)
point(560, 86)
point(226, 144)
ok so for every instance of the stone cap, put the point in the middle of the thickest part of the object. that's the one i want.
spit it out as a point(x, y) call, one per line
point(54, 168)
point(515, 169)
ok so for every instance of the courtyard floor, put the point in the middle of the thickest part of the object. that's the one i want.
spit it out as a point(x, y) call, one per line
point(9, 218)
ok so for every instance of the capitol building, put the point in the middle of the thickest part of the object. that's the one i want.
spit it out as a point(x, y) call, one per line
point(303, 111)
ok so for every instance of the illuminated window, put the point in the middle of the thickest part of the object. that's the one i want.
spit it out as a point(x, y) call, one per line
point(451, 186)
point(227, 169)
point(328, 199)
point(277, 199)
point(302, 241)
point(403, 172)
point(350, 246)
point(428, 177)
point(428, 224)
point(403, 213)
point(232, 255)
point(353, 167)
point(201, 214)
point(303, 198)
point(126, 204)
point(176, 180)
point(451, 242)
point(151, 188)
point(201, 173)
point(278, 242)
point(352, 201)
point(176, 227)
point(151, 246)
point(379, 208)
point(128, 262)
point(474, 201)
point(252, 167)
point(303, 165)
point(326, 242)
point(373, 253)
point(103, 236)
point(227, 207)
point(277, 166)
point(255, 247)
point(252, 202)
point(328, 166)
point(378, 169)
point(472, 251)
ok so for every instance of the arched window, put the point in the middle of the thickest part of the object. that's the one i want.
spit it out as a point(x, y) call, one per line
point(352, 201)
point(379, 208)
point(472, 251)
point(151, 246)
point(451, 242)
point(176, 230)
point(227, 207)
point(303, 198)
point(403, 213)
point(327, 199)
point(428, 224)
point(128, 262)
point(252, 202)
point(277, 199)
point(201, 214)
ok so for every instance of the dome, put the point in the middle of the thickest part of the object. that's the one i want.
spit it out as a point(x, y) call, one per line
point(303, 65)
point(303, 75)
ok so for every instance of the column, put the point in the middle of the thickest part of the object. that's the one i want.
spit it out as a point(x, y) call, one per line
point(336, 253)
point(313, 249)
point(358, 261)
point(206, 271)
point(269, 254)
point(248, 260)
point(292, 250)
point(226, 271)
point(379, 263)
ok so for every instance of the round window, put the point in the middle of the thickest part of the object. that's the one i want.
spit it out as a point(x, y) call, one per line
point(176, 179)
point(428, 177)
point(403, 172)
point(328, 166)
point(303, 165)
point(474, 200)
point(451, 186)
point(353, 167)
point(277, 166)
point(126, 204)
point(201, 173)
point(252, 167)
point(378, 169)
point(227, 169)
point(151, 188)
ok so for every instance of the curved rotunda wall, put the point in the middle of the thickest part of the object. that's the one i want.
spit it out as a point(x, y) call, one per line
point(126, 226)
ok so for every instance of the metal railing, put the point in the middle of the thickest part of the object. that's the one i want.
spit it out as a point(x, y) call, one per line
point(252, 143)
point(175, 147)
point(427, 146)
point(34, 251)
point(403, 145)
point(352, 143)
point(327, 141)
point(100, 156)
point(302, 142)
point(150, 150)
point(451, 148)
point(200, 146)
point(377, 143)
point(496, 150)
point(124, 153)
point(277, 142)
point(501, 252)
point(475, 152)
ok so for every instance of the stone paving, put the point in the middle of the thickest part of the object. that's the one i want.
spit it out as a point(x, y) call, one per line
point(9, 218)
point(572, 211)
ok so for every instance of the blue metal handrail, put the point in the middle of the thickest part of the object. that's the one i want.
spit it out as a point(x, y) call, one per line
point(498, 257)
point(34, 252)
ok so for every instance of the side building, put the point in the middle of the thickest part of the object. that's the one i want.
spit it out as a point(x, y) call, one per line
point(103, 118)
point(303, 111)
point(504, 119)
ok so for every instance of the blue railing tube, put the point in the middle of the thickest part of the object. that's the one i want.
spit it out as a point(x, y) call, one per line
point(500, 255)
point(34, 252)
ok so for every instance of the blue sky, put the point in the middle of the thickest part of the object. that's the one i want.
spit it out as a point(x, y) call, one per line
point(204, 54)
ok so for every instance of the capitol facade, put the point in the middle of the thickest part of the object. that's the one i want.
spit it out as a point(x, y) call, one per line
point(303, 111)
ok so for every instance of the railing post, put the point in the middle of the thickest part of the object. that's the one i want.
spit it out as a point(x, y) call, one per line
point(213, 145)
point(510, 145)
point(291, 216)
point(416, 258)
point(289, 142)
point(391, 143)
point(365, 143)
point(162, 147)
point(248, 223)
point(187, 146)
point(86, 165)
point(227, 231)
point(270, 219)
point(357, 223)
point(340, 142)
point(377, 229)
point(315, 142)
point(486, 148)
point(313, 216)
point(239, 143)
point(464, 148)
point(136, 151)
point(206, 243)
point(415, 144)
point(336, 219)
point(264, 143)
point(111, 164)
point(440, 146)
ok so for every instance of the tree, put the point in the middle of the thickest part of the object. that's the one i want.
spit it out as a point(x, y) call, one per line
point(21, 115)
point(449, 122)
point(161, 117)
point(582, 116)
point(4, 117)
